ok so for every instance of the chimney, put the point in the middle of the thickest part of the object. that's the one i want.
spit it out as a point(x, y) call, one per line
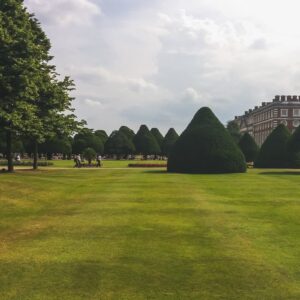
point(282, 98)
point(277, 98)
point(295, 98)
point(289, 98)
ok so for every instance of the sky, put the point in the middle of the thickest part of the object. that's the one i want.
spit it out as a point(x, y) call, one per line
point(157, 62)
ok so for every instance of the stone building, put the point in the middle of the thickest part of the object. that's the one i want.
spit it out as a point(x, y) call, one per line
point(260, 121)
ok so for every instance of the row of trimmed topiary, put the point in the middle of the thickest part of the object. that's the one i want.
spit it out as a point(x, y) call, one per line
point(205, 146)
point(280, 149)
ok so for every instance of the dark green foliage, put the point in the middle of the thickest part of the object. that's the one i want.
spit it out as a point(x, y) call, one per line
point(118, 144)
point(294, 148)
point(273, 153)
point(169, 141)
point(102, 135)
point(248, 147)
point(158, 136)
point(145, 143)
point(89, 154)
point(234, 131)
point(86, 138)
point(62, 145)
point(206, 147)
point(128, 132)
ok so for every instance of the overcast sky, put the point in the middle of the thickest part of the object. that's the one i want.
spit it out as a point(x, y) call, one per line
point(157, 62)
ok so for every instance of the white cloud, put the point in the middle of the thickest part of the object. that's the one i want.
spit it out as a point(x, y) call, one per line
point(64, 12)
point(93, 103)
point(158, 61)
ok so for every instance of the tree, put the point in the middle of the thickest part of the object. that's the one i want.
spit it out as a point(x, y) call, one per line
point(54, 111)
point(206, 147)
point(128, 132)
point(24, 48)
point(158, 136)
point(273, 153)
point(119, 144)
point(89, 154)
point(169, 141)
point(248, 147)
point(234, 130)
point(145, 143)
point(57, 144)
point(86, 138)
point(294, 148)
point(102, 135)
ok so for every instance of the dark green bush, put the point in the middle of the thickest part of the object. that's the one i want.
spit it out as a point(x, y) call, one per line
point(89, 154)
point(119, 144)
point(248, 147)
point(169, 141)
point(206, 147)
point(158, 136)
point(294, 149)
point(145, 143)
point(273, 153)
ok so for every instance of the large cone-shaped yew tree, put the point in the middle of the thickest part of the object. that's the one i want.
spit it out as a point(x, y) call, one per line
point(206, 147)
point(294, 149)
point(248, 147)
point(273, 152)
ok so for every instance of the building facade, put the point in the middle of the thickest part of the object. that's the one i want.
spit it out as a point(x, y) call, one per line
point(261, 121)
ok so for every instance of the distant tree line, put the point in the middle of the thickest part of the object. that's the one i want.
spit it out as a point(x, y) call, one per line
point(121, 143)
point(281, 149)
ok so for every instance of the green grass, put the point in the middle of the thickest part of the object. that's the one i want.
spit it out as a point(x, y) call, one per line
point(145, 234)
point(106, 163)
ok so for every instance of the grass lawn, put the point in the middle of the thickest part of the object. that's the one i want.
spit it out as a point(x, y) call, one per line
point(145, 234)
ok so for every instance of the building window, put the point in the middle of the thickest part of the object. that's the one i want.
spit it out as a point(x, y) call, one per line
point(296, 123)
point(284, 122)
point(284, 112)
point(296, 112)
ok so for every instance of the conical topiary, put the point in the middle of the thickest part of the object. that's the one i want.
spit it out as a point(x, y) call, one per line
point(145, 143)
point(119, 144)
point(248, 147)
point(128, 132)
point(169, 141)
point(273, 153)
point(158, 136)
point(294, 148)
point(206, 147)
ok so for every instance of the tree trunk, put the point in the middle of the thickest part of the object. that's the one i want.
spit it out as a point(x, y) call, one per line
point(35, 156)
point(9, 155)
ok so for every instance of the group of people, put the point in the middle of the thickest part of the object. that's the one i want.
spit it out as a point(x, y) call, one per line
point(78, 161)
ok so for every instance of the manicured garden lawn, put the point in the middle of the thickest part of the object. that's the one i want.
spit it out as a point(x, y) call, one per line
point(106, 163)
point(145, 234)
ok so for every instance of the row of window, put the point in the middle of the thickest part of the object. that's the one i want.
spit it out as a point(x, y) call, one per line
point(269, 125)
point(284, 112)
